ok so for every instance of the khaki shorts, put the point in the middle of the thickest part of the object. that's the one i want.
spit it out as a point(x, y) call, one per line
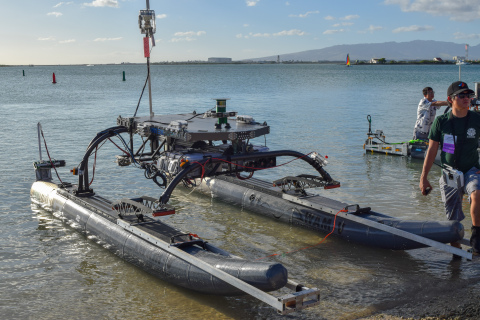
point(452, 197)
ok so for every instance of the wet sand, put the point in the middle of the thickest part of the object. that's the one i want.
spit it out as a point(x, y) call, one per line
point(460, 302)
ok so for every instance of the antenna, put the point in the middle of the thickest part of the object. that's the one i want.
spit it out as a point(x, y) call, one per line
point(146, 23)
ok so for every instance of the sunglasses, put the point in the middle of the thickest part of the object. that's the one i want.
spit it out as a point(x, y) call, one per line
point(464, 95)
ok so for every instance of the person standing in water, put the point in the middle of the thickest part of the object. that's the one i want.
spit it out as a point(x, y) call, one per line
point(457, 133)
point(427, 109)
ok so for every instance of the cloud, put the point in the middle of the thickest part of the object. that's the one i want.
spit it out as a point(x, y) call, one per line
point(461, 35)
point(252, 3)
point(350, 17)
point(188, 39)
point(344, 24)
point(464, 10)
point(46, 39)
point(102, 3)
point(107, 39)
point(56, 14)
point(264, 35)
point(187, 36)
point(372, 28)
point(161, 16)
point(62, 3)
point(293, 32)
point(333, 31)
point(189, 33)
point(53, 39)
point(306, 14)
point(413, 28)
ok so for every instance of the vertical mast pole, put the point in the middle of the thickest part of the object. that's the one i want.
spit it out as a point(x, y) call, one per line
point(148, 35)
point(39, 129)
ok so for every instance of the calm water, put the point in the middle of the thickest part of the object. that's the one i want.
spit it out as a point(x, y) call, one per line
point(49, 271)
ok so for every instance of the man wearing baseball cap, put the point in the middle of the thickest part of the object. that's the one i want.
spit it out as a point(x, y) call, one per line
point(457, 133)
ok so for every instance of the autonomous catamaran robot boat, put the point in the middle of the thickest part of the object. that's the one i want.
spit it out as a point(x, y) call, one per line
point(212, 152)
point(133, 228)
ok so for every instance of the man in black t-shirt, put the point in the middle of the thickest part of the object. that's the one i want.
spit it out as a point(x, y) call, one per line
point(457, 132)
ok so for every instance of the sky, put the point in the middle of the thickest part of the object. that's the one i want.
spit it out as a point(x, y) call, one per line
point(45, 32)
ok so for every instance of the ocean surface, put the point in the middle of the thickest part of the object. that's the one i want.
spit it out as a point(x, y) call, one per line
point(49, 271)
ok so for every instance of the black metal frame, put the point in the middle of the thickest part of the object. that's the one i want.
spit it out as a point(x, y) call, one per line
point(85, 191)
point(83, 184)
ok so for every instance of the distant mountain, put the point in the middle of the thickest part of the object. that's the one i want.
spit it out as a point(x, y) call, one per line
point(413, 50)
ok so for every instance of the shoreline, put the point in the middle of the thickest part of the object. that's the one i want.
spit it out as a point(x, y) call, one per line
point(461, 301)
point(421, 62)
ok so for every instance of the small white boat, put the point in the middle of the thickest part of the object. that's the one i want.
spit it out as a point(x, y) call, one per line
point(462, 62)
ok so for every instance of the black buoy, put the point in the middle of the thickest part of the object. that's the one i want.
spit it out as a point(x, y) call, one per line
point(123, 75)
point(23, 72)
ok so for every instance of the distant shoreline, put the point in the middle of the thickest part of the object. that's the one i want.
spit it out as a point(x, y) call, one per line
point(358, 63)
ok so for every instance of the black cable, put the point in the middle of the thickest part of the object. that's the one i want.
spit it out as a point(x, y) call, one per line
point(49, 158)
point(141, 95)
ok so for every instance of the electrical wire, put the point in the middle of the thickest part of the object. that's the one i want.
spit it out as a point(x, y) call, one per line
point(308, 247)
point(253, 168)
point(128, 152)
point(141, 95)
point(51, 162)
point(94, 164)
point(95, 161)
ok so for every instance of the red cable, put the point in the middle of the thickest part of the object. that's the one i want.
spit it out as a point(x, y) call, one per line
point(244, 178)
point(118, 147)
point(203, 168)
point(333, 229)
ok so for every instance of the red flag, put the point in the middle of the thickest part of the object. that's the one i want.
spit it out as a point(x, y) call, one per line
point(146, 49)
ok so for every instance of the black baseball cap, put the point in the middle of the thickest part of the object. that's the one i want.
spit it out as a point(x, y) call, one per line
point(458, 87)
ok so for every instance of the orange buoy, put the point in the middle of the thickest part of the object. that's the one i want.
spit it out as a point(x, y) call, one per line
point(54, 78)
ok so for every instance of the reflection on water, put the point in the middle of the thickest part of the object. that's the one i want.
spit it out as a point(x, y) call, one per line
point(50, 271)
point(354, 280)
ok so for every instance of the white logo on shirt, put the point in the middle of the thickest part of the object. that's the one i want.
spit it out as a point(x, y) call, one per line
point(471, 133)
